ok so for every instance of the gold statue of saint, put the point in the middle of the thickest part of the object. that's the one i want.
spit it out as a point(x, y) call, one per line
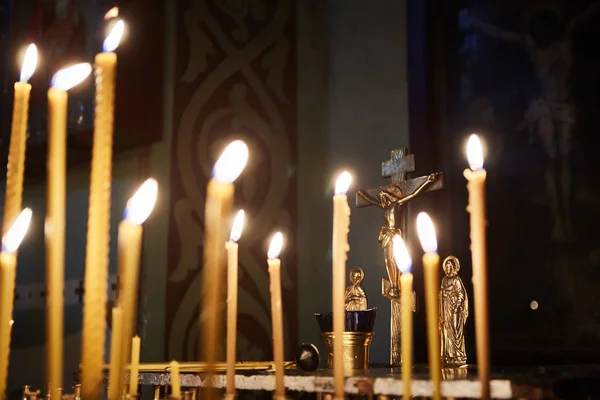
point(355, 296)
point(390, 200)
point(454, 310)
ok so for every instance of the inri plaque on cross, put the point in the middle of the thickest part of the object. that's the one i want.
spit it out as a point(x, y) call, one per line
point(392, 199)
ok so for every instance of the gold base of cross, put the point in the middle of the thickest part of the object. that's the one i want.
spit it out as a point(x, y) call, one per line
point(395, 321)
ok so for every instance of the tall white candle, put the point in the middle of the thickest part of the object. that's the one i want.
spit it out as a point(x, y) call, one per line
point(404, 263)
point(219, 198)
point(276, 313)
point(232, 298)
point(339, 249)
point(476, 177)
point(431, 261)
point(8, 268)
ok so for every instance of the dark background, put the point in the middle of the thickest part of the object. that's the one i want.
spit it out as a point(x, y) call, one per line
point(525, 261)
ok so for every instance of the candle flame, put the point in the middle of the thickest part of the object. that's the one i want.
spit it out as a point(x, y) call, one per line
point(29, 63)
point(275, 247)
point(474, 153)
point(403, 260)
point(140, 205)
point(68, 77)
point(112, 13)
point(426, 231)
point(232, 162)
point(114, 37)
point(238, 225)
point(16, 233)
point(343, 183)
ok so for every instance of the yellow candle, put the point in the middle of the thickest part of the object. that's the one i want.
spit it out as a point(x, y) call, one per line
point(276, 314)
point(404, 262)
point(115, 373)
point(139, 207)
point(431, 261)
point(62, 81)
point(18, 136)
point(476, 185)
point(219, 197)
point(134, 368)
point(175, 384)
point(98, 231)
point(340, 247)
point(232, 296)
point(8, 265)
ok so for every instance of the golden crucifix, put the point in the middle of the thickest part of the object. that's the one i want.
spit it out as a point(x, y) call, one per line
point(392, 199)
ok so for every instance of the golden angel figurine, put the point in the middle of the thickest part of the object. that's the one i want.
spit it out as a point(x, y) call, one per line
point(454, 310)
point(355, 296)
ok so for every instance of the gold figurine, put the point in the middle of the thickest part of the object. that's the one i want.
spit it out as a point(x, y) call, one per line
point(390, 199)
point(454, 310)
point(355, 296)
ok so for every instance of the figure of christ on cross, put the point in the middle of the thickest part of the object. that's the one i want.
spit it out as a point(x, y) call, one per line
point(393, 199)
point(390, 198)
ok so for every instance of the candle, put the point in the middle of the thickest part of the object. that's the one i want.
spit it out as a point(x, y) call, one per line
point(219, 197)
point(276, 316)
point(98, 230)
point(431, 261)
point(232, 296)
point(134, 368)
point(62, 81)
point(175, 384)
point(8, 265)
point(404, 262)
point(138, 209)
point(115, 373)
point(341, 227)
point(18, 137)
point(476, 185)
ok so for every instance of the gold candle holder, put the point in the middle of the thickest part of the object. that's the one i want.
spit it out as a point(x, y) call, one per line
point(355, 350)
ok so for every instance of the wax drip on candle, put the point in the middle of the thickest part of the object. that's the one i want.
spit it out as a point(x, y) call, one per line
point(114, 37)
point(474, 153)
point(426, 231)
point(231, 162)
point(16, 233)
point(29, 63)
point(140, 205)
point(68, 77)
point(343, 183)
point(238, 225)
point(275, 247)
point(403, 260)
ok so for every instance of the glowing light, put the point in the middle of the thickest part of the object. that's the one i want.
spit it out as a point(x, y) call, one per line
point(114, 37)
point(140, 205)
point(112, 13)
point(232, 162)
point(343, 183)
point(16, 233)
point(29, 63)
point(68, 77)
point(238, 225)
point(403, 260)
point(426, 231)
point(275, 247)
point(475, 153)
point(534, 305)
